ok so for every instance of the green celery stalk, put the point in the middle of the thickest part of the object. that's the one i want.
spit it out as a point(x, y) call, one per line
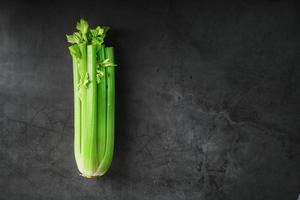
point(91, 134)
point(77, 113)
point(102, 107)
point(85, 148)
point(94, 99)
point(110, 123)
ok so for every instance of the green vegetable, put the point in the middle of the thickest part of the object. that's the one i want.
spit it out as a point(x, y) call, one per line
point(94, 99)
point(110, 122)
point(102, 106)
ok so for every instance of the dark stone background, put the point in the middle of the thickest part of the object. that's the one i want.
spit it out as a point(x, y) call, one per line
point(208, 100)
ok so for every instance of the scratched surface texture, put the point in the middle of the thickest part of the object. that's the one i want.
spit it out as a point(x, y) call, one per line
point(207, 100)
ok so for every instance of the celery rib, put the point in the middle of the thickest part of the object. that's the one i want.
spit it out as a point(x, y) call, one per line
point(110, 122)
point(102, 107)
point(77, 113)
point(91, 134)
point(84, 131)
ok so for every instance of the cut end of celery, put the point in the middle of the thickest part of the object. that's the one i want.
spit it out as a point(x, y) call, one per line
point(88, 177)
point(94, 176)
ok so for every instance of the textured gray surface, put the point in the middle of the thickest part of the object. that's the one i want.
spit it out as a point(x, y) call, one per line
point(207, 101)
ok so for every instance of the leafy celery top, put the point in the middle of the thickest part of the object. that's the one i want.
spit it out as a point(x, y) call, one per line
point(88, 36)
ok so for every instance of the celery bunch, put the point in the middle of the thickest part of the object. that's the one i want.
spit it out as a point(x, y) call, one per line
point(94, 99)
